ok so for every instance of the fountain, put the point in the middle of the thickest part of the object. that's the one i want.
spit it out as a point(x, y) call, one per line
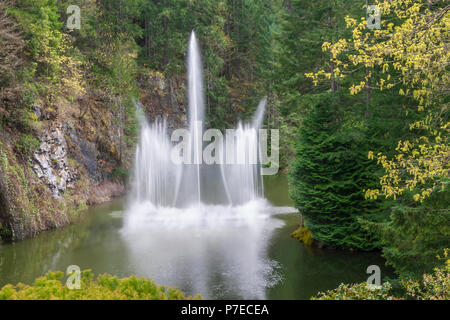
point(181, 215)
point(163, 183)
point(154, 175)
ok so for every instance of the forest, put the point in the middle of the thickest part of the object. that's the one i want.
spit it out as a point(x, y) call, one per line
point(362, 112)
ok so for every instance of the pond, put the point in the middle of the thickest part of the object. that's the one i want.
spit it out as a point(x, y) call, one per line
point(253, 258)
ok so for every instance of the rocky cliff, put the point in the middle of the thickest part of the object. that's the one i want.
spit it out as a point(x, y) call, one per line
point(75, 156)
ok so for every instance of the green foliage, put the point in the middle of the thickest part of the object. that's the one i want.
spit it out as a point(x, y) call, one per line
point(121, 174)
point(118, 38)
point(415, 235)
point(236, 44)
point(359, 291)
point(328, 176)
point(105, 287)
point(304, 235)
point(55, 62)
point(322, 189)
point(250, 48)
point(26, 144)
point(5, 232)
point(434, 286)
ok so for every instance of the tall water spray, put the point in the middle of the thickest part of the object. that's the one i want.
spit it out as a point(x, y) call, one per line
point(161, 182)
point(196, 113)
point(154, 175)
point(244, 177)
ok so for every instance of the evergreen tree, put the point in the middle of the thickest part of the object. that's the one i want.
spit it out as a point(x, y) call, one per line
point(304, 26)
point(328, 178)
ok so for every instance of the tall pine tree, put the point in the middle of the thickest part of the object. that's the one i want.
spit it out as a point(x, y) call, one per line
point(328, 178)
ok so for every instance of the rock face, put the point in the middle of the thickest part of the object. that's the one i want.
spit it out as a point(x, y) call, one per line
point(164, 97)
point(83, 157)
point(50, 162)
point(86, 154)
point(160, 96)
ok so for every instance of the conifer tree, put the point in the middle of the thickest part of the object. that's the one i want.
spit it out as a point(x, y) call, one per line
point(328, 178)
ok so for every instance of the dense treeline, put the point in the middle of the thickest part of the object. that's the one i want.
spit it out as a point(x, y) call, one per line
point(357, 92)
point(121, 40)
point(340, 93)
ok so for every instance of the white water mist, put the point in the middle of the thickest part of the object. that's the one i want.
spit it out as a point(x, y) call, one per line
point(180, 215)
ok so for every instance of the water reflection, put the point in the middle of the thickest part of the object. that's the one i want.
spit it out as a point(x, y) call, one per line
point(25, 260)
point(239, 254)
point(221, 252)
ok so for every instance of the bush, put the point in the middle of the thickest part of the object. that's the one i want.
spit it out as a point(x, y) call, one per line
point(413, 236)
point(304, 235)
point(120, 174)
point(435, 286)
point(360, 291)
point(27, 144)
point(105, 287)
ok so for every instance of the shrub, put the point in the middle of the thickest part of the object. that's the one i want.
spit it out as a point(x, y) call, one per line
point(360, 291)
point(105, 287)
point(120, 174)
point(304, 235)
point(27, 144)
point(435, 286)
point(413, 236)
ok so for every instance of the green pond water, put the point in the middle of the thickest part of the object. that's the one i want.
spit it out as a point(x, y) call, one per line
point(255, 259)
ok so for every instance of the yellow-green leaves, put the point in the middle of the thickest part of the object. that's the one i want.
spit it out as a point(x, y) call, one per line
point(411, 51)
point(105, 287)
